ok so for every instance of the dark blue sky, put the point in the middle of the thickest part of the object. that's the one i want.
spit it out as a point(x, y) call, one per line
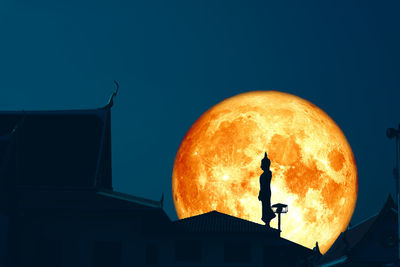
point(176, 59)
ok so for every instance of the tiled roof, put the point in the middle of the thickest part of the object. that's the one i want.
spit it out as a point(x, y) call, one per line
point(349, 240)
point(216, 222)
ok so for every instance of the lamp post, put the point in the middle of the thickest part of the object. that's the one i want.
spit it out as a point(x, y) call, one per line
point(279, 208)
point(391, 133)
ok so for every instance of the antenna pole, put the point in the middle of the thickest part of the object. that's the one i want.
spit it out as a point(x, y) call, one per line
point(397, 196)
point(390, 133)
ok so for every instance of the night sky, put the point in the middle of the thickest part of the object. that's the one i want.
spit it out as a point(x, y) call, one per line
point(176, 59)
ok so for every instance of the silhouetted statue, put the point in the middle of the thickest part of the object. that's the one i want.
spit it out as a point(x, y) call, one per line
point(265, 191)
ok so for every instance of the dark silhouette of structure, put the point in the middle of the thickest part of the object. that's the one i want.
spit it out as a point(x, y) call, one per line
point(265, 191)
point(279, 208)
point(372, 242)
point(395, 133)
point(235, 242)
point(58, 207)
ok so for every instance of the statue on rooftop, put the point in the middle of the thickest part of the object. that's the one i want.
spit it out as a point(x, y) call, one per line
point(265, 191)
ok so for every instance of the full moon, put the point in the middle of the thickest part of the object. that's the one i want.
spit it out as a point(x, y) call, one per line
point(217, 166)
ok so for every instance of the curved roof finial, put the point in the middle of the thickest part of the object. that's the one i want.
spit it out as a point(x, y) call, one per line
point(111, 101)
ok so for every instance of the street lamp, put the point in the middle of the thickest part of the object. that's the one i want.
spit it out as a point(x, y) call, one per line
point(279, 208)
point(392, 133)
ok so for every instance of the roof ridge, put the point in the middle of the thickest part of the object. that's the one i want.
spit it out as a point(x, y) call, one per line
point(362, 222)
point(238, 218)
point(128, 197)
point(381, 213)
point(46, 111)
point(388, 201)
point(195, 216)
point(219, 213)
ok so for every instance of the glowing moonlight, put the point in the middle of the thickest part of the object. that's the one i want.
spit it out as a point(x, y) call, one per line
point(217, 166)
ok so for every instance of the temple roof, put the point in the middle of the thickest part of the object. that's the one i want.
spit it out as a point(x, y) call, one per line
point(368, 241)
point(101, 200)
point(59, 148)
point(59, 161)
point(216, 222)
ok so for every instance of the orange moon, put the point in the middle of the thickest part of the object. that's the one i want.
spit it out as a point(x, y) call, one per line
point(217, 166)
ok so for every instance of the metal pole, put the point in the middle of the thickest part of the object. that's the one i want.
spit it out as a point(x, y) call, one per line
point(396, 170)
point(391, 133)
point(397, 196)
point(279, 222)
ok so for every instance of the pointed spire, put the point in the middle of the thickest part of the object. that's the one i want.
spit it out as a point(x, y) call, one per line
point(390, 202)
point(315, 256)
point(316, 249)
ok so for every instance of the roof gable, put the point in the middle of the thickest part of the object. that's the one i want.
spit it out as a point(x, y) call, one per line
point(367, 241)
point(229, 227)
point(60, 148)
point(347, 240)
point(378, 242)
point(216, 222)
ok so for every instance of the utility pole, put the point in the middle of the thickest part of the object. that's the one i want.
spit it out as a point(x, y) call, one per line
point(391, 133)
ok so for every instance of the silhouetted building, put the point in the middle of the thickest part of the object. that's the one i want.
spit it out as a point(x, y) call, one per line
point(58, 208)
point(223, 239)
point(57, 203)
point(370, 243)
